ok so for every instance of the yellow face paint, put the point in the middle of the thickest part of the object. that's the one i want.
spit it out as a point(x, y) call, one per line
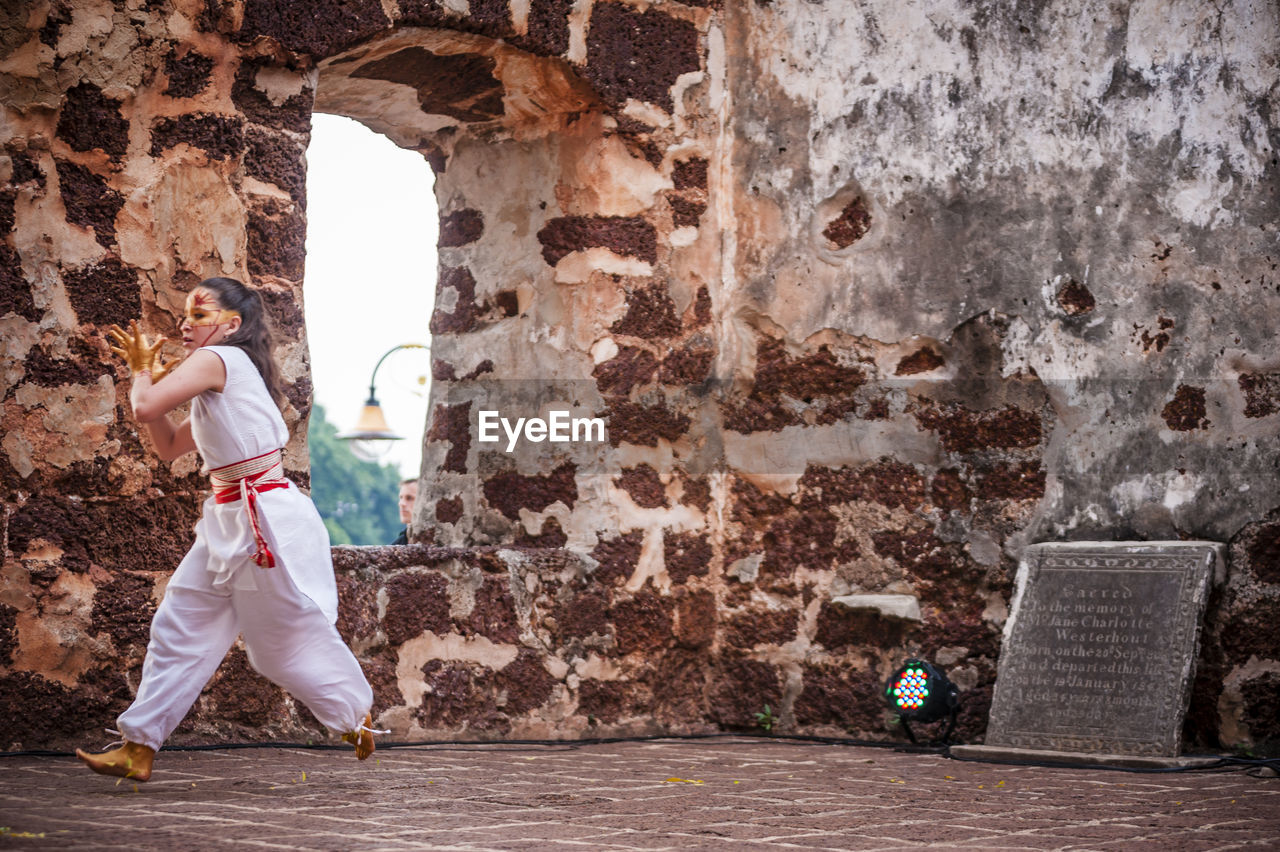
point(202, 310)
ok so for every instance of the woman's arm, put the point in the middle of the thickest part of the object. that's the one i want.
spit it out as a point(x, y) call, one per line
point(152, 401)
point(171, 440)
point(201, 371)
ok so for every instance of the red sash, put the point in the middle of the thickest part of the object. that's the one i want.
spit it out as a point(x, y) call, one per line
point(245, 480)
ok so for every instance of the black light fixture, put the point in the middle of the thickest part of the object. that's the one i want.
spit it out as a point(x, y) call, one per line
point(919, 691)
point(371, 437)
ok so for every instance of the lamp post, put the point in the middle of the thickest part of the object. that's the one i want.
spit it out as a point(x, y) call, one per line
point(371, 437)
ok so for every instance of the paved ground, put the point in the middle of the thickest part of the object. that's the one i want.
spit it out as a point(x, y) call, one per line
point(707, 794)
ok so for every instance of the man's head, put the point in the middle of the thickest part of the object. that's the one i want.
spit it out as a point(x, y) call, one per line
point(408, 494)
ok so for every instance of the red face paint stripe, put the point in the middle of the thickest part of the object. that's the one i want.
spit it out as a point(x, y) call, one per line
point(212, 330)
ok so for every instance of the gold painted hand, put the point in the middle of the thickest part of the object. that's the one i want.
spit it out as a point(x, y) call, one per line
point(136, 350)
point(159, 369)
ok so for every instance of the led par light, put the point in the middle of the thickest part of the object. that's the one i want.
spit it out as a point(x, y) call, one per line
point(920, 692)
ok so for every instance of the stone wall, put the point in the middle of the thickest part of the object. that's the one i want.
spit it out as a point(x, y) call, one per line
point(869, 298)
point(1096, 179)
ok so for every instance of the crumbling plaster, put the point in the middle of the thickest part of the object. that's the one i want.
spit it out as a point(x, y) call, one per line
point(1126, 147)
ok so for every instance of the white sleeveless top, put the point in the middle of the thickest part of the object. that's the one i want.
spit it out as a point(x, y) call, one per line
point(241, 422)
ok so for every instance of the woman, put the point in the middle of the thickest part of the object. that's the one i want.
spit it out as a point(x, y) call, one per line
point(260, 566)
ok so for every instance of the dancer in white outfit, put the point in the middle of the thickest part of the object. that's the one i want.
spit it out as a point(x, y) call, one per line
point(260, 566)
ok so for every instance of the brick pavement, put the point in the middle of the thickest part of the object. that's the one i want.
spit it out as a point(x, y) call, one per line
point(731, 793)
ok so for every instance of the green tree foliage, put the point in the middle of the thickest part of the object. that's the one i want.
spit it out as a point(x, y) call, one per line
point(357, 499)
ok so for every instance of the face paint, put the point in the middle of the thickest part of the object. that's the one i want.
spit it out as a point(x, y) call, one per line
point(202, 311)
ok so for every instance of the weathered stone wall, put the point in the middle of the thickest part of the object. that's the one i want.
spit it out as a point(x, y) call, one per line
point(1099, 181)
point(1102, 173)
point(870, 296)
point(142, 151)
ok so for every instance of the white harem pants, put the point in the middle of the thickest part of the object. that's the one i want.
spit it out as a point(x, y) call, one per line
point(288, 639)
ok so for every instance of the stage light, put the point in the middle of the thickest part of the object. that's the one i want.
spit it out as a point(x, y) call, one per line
point(920, 692)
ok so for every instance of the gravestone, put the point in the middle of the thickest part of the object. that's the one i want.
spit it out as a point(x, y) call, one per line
point(1100, 651)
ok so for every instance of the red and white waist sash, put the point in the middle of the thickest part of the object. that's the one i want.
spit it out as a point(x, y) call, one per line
point(245, 480)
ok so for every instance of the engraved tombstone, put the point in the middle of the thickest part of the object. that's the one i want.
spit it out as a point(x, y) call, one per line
point(1100, 650)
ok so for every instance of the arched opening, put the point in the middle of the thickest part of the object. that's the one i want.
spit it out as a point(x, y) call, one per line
point(498, 125)
point(370, 286)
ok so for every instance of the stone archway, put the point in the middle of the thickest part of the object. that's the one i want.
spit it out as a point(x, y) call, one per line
point(175, 149)
point(546, 263)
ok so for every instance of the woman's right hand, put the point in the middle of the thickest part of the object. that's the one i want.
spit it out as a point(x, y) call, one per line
point(141, 355)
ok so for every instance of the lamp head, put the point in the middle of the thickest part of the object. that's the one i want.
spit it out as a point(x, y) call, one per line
point(371, 425)
point(370, 439)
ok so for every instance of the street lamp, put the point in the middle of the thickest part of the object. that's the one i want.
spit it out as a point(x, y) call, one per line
point(371, 437)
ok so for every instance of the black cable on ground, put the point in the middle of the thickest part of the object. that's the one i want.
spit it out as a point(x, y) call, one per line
point(1265, 767)
point(568, 744)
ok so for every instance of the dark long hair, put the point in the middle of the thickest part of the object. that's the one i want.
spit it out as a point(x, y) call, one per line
point(254, 334)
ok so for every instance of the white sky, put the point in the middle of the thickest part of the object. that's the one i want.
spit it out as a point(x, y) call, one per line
point(370, 277)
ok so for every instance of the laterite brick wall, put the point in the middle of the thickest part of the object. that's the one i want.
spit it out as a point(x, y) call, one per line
point(869, 294)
